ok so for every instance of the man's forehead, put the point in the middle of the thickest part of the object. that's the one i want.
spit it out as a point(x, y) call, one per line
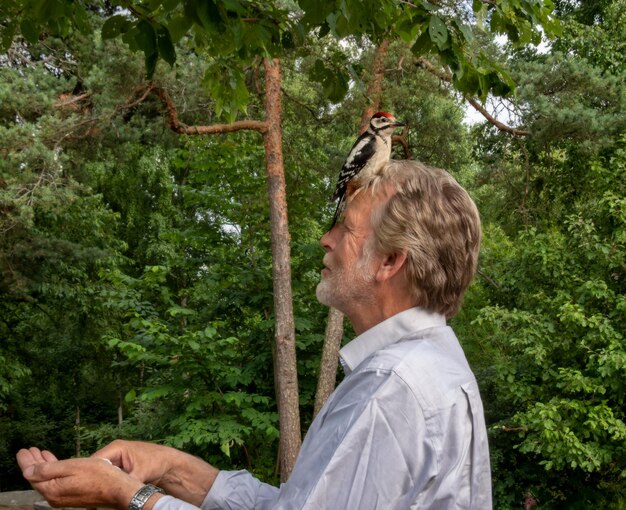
point(363, 201)
point(371, 195)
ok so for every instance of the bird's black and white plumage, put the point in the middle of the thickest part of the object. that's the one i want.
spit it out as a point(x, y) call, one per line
point(367, 157)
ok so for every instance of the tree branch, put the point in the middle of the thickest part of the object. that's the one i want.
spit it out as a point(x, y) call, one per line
point(139, 96)
point(183, 129)
point(447, 77)
point(402, 140)
point(301, 104)
point(375, 86)
point(70, 101)
point(487, 278)
point(492, 120)
point(514, 429)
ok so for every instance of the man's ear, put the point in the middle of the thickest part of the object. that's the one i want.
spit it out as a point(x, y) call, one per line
point(391, 265)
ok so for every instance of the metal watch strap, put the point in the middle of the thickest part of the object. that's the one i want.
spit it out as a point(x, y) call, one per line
point(142, 495)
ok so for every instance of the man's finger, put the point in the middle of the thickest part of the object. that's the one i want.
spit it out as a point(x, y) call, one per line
point(49, 456)
point(110, 453)
point(26, 458)
point(44, 471)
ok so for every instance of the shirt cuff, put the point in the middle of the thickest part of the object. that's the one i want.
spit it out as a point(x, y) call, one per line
point(238, 490)
point(171, 503)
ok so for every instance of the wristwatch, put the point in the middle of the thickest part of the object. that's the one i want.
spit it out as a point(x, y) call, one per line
point(142, 495)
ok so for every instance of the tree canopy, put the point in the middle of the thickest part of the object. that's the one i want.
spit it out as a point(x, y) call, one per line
point(235, 33)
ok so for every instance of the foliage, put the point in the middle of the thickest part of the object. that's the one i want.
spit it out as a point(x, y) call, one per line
point(204, 380)
point(235, 33)
point(558, 351)
point(551, 293)
point(544, 323)
point(56, 237)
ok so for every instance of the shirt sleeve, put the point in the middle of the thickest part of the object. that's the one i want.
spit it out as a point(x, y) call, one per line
point(238, 490)
point(232, 490)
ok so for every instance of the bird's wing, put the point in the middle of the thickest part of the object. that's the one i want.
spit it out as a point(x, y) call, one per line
point(361, 151)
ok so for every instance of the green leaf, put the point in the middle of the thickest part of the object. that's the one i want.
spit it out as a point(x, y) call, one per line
point(428, 6)
point(208, 13)
point(315, 11)
point(423, 44)
point(438, 32)
point(334, 82)
point(467, 82)
point(178, 27)
point(234, 6)
point(145, 36)
point(225, 447)
point(408, 29)
point(325, 29)
point(50, 10)
point(151, 62)
point(114, 26)
point(165, 46)
point(8, 35)
point(465, 30)
point(130, 39)
point(29, 31)
point(190, 9)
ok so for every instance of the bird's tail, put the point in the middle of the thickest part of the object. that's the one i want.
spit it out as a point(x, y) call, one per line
point(341, 203)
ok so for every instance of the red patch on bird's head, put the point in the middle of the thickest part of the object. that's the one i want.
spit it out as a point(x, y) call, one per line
point(383, 114)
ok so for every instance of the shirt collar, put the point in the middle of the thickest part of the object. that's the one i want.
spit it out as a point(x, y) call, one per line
point(385, 333)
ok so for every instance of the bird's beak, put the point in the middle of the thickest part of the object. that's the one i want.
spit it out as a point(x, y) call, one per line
point(398, 124)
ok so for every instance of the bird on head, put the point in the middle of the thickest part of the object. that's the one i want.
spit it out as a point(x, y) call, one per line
point(366, 159)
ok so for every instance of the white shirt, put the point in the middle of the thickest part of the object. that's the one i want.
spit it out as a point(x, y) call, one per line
point(404, 430)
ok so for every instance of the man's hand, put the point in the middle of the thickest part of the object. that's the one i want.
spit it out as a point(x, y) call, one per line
point(77, 482)
point(146, 462)
point(181, 475)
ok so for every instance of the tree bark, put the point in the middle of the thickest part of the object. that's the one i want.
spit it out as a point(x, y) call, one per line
point(330, 358)
point(375, 86)
point(77, 431)
point(287, 375)
point(120, 400)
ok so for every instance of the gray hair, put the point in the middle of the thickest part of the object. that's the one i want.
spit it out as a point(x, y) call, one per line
point(432, 219)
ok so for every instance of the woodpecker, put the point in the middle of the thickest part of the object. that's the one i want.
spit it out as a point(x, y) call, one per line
point(366, 158)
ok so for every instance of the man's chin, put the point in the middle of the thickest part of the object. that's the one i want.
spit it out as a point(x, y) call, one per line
point(322, 293)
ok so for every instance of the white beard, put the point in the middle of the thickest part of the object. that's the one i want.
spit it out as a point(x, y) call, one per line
point(346, 288)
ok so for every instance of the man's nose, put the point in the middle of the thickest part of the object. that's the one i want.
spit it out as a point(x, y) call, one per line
point(325, 240)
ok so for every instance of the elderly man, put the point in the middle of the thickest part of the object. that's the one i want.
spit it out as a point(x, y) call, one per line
point(405, 428)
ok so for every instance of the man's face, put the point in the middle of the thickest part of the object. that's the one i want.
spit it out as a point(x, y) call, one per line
point(349, 273)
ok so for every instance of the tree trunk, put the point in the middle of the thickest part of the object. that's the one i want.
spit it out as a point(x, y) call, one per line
point(334, 325)
point(77, 432)
point(330, 358)
point(287, 375)
point(375, 86)
point(120, 400)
